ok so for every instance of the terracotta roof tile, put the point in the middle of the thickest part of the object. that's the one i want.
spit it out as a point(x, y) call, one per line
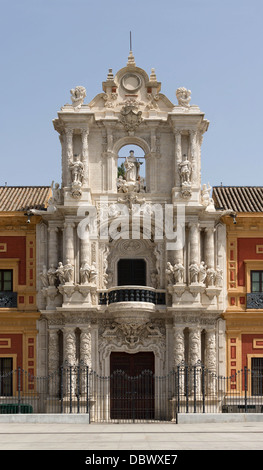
point(21, 198)
point(239, 198)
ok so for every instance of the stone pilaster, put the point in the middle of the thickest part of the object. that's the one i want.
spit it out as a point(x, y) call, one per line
point(85, 155)
point(53, 359)
point(210, 359)
point(53, 245)
point(69, 151)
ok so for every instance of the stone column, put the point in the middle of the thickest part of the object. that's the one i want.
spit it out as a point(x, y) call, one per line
point(53, 245)
point(194, 358)
point(193, 135)
point(210, 254)
point(69, 241)
point(69, 347)
point(69, 152)
point(85, 155)
point(179, 355)
point(194, 238)
point(53, 360)
point(178, 156)
point(85, 355)
point(210, 360)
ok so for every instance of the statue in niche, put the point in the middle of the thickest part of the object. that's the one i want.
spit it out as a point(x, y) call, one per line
point(77, 170)
point(184, 97)
point(185, 170)
point(131, 181)
point(78, 95)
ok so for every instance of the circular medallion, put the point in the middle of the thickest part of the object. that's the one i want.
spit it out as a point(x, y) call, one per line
point(131, 82)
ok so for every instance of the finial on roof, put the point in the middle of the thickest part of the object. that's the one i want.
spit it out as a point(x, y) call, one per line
point(110, 75)
point(153, 76)
point(131, 60)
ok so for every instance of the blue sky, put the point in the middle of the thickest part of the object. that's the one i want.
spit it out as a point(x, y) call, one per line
point(212, 47)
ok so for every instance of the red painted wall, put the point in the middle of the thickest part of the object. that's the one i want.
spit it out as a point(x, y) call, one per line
point(246, 249)
point(16, 248)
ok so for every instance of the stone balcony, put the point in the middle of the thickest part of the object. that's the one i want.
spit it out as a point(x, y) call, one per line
point(132, 294)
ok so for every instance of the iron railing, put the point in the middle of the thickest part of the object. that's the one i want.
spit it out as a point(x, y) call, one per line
point(8, 299)
point(120, 397)
point(132, 294)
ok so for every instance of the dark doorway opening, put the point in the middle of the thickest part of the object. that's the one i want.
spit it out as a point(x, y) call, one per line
point(131, 272)
point(132, 386)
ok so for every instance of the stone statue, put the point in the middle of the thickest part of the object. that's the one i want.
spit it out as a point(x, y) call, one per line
point(178, 272)
point(93, 274)
point(44, 277)
point(169, 273)
point(68, 272)
point(78, 95)
point(77, 170)
point(132, 167)
point(211, 277)
point(183, 96)
point(52, 275)
point(219, 277)
point(60, 273)
point(84, 272)
point(185, 170)
point(202, 272)
point(194, 271)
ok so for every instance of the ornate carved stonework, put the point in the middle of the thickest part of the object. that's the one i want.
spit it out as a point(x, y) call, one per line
point(130, 118)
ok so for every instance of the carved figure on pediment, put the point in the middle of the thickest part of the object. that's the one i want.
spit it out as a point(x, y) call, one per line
point(60, 273)
point(56, 195)
point(44, 277)
point(78, 95)
point(183, 96)
point(194, 271)
point(206, 200)
point(68, 272)
point(202, 272)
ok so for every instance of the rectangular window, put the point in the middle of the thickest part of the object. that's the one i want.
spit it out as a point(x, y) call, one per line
point(6, 280)
point(6, 377)
point(256, 281)
point(257, 376)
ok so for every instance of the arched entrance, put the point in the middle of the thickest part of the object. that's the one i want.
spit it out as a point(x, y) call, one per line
point(132, 385)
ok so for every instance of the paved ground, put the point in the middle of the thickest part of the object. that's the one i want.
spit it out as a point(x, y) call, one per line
point(148, 437)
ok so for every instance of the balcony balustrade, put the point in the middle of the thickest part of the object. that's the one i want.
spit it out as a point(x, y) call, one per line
point(132, 294)
point(255, 300)
point(8, 299)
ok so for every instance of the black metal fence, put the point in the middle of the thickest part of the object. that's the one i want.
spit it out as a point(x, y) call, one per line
point(119, 397)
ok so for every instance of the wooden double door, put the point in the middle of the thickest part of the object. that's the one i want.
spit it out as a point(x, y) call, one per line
point(132, 386)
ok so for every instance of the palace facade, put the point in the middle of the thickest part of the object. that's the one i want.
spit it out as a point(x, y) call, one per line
point(18, 291)
point(244, 312)
point(131, 252)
